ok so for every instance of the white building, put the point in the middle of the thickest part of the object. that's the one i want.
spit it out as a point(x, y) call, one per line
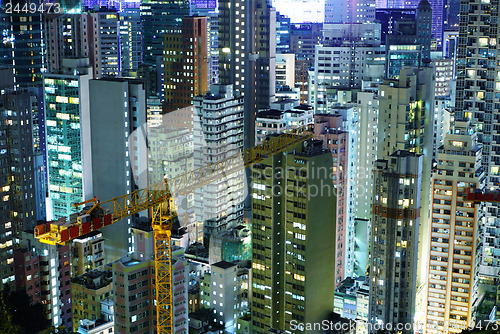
point(341, 66)
point(282, 116)
point(350, 120)
point(367, 131)
point(229, 293)
point(285, 69)
point(217, 134)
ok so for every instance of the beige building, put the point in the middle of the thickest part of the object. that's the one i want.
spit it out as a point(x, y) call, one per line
point(87, 292)
point(87, 253)
point(454, 229)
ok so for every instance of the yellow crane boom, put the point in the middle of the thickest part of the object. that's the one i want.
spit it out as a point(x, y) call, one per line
point(159, 198)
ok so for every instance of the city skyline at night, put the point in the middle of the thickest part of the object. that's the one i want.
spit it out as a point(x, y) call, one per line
point(249, 166)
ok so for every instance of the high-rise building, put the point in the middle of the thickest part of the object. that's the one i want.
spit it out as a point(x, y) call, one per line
point(117, 125)
point(409, 44)
point(67, 113)
point(94, 34)
point(330, 129)
point(303, 39)
point(18, 209)
point(477, 100)
point(134, 287)
point(159, 17)
point(104, 47)
point(293, 255)
point(130, 40)
point(342, 60)
point(87, 292)
point(211, 13)
point(43, 272)
point(346, 11)
point(455, 234)
point(394, 238)
point(405, 122)
point(229, 297)
point(215, 208)
point(444, 88)
point(282, 33)
point(367, 111)
point(185, 62)
point(439, 14)
point(400, 127)
point(66, 36)
point(22, 46)
point(474, 70)
point(247, 55)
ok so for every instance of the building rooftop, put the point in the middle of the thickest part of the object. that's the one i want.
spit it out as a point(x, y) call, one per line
point(274, 113)
point(224, 264)
point(88, 237)
point(94, 280)
point(404, 153)
point(131, 263)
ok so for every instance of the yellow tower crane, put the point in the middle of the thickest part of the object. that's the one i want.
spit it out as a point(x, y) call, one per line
point(159, 198)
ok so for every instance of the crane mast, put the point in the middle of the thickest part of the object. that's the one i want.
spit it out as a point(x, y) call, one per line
point(159, 197)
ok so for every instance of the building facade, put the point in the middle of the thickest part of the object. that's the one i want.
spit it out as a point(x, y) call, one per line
point(293, 254)
point(454, 232)
point(219, 209)
point(185, 63)
point(67, 112)
point(87, 292)
point(394, 238)
point(118, 136)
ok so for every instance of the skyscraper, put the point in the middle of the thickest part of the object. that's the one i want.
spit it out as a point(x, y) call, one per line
point(437, 24)
point(185, 62)
point(22, 46)
point(330, 129)
point(455, 233)
point(409, 41)
point(220, 204)
point(93, 35)
point(405, 122)
point(341, 62)
point(130, 40)
point(475, 69)
point(247, 55)
point(66, 36)
point(18, 209)
point(348, 11)
point(293, 257)
point(394, 238)
point(68, 136)
point(477, 99)
point(160, 17)
point(117, 125)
